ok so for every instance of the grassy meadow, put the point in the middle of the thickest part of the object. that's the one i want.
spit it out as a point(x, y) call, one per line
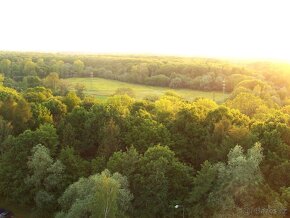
point(103, 88)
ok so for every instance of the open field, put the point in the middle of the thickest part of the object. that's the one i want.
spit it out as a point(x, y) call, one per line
point(102, 88)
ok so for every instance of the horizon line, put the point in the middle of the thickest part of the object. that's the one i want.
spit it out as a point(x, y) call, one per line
point(153, 54)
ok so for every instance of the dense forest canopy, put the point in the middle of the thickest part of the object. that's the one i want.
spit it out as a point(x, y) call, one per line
point(176, 72)
point(66, 154)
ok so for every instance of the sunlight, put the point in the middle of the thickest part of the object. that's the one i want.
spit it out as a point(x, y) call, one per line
point(231, 29)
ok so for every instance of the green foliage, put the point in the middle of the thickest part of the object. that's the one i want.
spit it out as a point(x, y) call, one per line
point(80, 88)
point(29, 68)
point(22, 115)
point(56, 108)
point(18, 112)
point(5, 130)
point(155, 189)
point(110, 141)
point(5, 66)
point(45, 180)
point(226, 190)
point(143, 132)
point(151, 179)
point(279, 176)
point(100, 195)
point(73, 129)
point(158, 80)
point(204, 182)
point(167, 107)
point(98, 164)
point(89, 102)
point(1, 79)
point(6, 92)
point(57, 143)
point(286, 197)
point(195, 73)
point(125, 162)
point(52, 81)
point(40, 115)
point(78, 66)
point(37, 94)
point(71, 100)
point(120, 104)
point(125, 91)
point(31, 81)
point(75, 166)
point(246, 103)
point(13, 159)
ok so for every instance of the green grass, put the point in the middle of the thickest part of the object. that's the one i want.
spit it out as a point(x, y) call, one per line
point(103, 88)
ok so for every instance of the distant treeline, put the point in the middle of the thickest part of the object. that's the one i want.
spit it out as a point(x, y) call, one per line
point(64, 154)
point(174, 72)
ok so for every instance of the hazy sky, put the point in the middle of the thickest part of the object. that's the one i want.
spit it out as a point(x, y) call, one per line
point(225, 28)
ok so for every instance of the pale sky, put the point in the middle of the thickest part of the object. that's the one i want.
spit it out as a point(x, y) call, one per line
point(211, 28)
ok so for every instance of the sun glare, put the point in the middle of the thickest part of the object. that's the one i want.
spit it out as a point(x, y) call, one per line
point(231, 29)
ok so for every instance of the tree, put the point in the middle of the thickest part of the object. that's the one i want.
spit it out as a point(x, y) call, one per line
point(246, 103)
point(158, 80)
point(6, 93)
point(37, 94)
point(52, 81)
point(63, 88)
point(278, 176)
point(125, 91)
point(120, 104)
point(286, 197)
point(29, 68)
point(80, 88)
point(75, 131)
point(203, 184)
point(78, 66)
point(42, 68)
point(1, 79)
point(75, 166)
point(156, 191)
point(56, 108)
point(45, 179)
point(167, 107)
point(151, 179)
point(5, 130)
point(22, 115)
point(188, 135)
point(5, 66)
point(143, 132)
point(225, 190)
point(100, 195)
point(71, 100)
point(175, 83)
point(88, 102)
point(10, 83)
point(40, 115)
point(31, 81)
point(273, 135)
point(7, 108)
point(57, 66)
point(110, 141)
point(125, 162)
point(14, 157)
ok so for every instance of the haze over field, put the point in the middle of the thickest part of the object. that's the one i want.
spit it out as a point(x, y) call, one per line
point(235, 29)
